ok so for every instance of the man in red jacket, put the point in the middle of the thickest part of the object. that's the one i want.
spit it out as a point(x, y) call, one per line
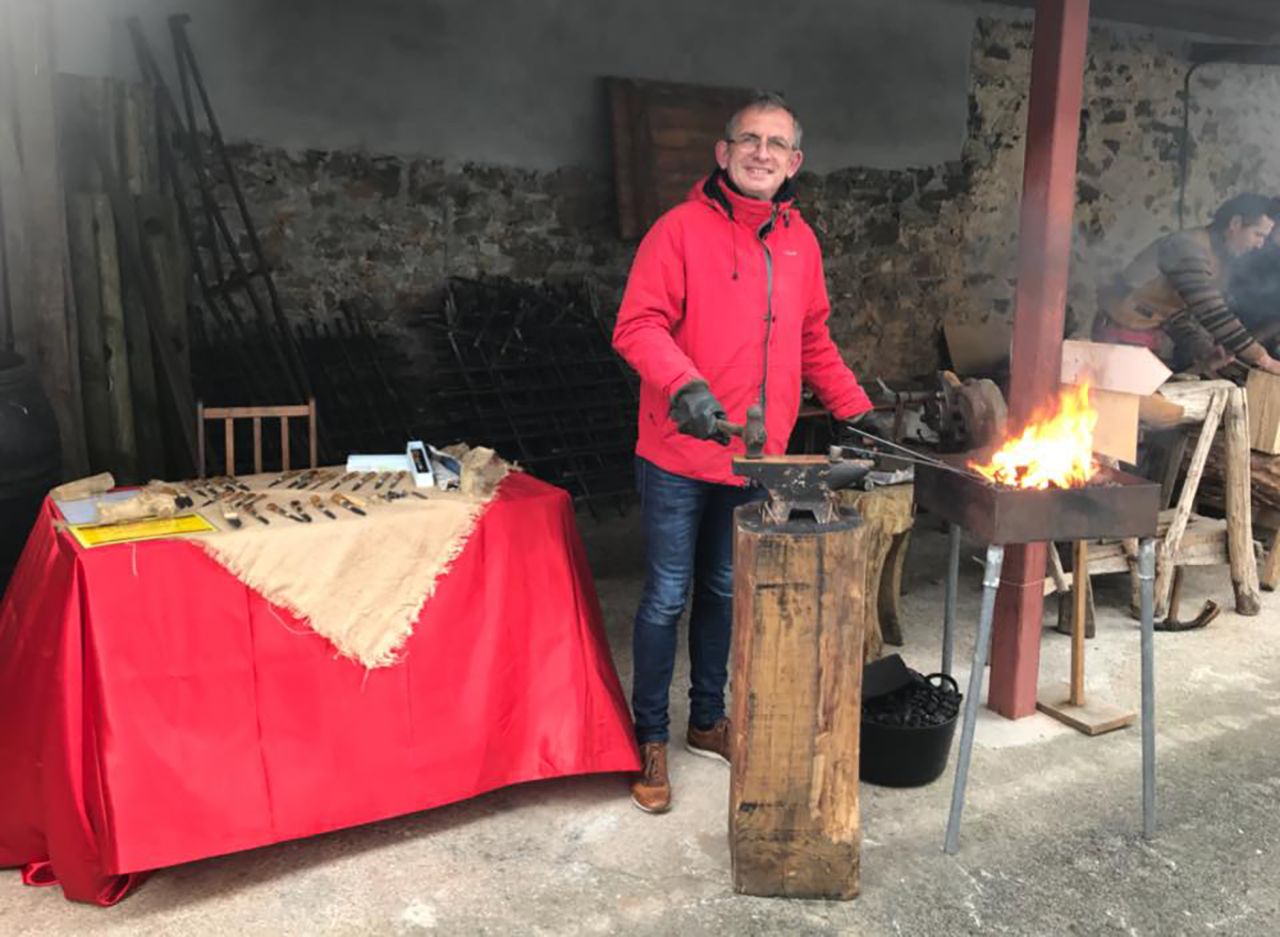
point(726, 306)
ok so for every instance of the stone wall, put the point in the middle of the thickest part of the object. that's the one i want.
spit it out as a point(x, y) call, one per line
point(903, 248)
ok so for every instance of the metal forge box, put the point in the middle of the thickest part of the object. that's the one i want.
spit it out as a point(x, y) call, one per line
point(1113, 504)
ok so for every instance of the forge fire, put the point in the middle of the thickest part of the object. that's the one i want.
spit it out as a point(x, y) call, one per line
point(1055, 450)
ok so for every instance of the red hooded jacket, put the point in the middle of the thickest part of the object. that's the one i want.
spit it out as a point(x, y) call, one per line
point(729, 290)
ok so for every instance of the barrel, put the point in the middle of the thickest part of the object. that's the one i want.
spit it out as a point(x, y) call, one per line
point(30, 456)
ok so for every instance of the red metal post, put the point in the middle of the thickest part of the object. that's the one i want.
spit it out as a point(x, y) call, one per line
point(1044, 253)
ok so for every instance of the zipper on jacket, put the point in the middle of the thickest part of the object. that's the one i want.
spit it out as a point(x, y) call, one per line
point(768, 306)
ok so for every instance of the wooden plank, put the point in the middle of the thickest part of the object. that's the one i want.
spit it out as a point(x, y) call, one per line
point(257, 445)
point(1092, 717)
point(624, 180)
point(55, 351)
point(200, 445)
point(19, 328)
point(311, 431)
point(218, 413)
point(1244, 566)
point(229, 444)
point(1125, 369)
point(800, 612)
point(160, 243)
point(124, 463)
point(142, 373)
point(1116, 433)
point(133, 259)
point(139, 144)
point(1170, 542)
point(87, 287)
point(1194, 397)
point(1263, 392)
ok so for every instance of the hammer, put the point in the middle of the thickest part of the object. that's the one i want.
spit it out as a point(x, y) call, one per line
point(752, 432)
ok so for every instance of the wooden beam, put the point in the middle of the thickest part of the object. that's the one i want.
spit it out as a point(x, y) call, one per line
point(54, 350)
point(1044, 254)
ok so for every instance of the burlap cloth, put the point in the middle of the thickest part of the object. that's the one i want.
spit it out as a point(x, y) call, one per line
point(358, 581)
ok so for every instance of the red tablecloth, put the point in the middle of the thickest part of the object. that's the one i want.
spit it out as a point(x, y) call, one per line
point(155, 710)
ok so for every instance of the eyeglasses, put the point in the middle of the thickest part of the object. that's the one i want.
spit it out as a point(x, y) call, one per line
point(778, 146)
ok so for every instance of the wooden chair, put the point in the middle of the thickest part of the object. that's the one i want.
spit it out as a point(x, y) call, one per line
point(229, 416)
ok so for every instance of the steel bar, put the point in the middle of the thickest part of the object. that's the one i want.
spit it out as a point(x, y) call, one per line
point(953, 589)
point(990, 580)
point(1147, 577)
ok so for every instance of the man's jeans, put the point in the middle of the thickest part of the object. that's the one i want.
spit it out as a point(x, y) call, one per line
point(688, 534)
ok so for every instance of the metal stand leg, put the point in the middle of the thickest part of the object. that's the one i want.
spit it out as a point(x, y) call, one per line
point(1146, 576)
point(949, 606)
point(981, 646)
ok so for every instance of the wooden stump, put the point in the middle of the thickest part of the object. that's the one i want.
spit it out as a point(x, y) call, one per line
point(803, 598)
point(891, 511)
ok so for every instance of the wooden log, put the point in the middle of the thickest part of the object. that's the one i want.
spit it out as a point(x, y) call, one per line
point(803, 598)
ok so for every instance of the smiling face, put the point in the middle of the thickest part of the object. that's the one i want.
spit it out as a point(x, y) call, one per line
point(761, 154)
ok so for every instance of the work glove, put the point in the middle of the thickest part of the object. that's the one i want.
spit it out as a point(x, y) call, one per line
point(847, 434)
point(695, 410)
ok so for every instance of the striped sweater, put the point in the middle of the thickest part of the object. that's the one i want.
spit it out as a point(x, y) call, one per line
point(1178, 284)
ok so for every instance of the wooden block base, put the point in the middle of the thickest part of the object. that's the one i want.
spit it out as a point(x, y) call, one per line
point(1095, 717)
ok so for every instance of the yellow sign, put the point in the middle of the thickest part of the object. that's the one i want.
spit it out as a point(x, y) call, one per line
point(96, 535)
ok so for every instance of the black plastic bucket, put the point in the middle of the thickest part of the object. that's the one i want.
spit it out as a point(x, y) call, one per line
point(909, 755)
point(30, 456)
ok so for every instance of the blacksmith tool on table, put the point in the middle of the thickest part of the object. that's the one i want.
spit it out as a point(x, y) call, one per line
point(348, 502)
point(276, 509)
point(318, 504)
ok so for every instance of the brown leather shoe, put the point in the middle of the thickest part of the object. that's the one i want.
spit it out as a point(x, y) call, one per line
point(651, 789)
point(710, 743)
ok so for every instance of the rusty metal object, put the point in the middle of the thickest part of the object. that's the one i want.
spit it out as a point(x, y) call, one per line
point(1208, 612)
point(1115, 504)
point(973, 414)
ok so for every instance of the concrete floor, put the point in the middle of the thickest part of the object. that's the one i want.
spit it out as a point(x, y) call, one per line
point(1049, 843)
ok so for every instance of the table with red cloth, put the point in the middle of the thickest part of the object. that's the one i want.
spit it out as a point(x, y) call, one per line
point(155, 710)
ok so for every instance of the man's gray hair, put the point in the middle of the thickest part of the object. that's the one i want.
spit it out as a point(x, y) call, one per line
point(763, 101)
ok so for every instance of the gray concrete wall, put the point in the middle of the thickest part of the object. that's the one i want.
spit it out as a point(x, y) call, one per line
point(879, 83)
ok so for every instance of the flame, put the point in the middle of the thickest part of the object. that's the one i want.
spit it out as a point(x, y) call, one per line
point(1054, 451)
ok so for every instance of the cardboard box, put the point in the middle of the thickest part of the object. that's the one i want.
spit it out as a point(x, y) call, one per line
point(1122, 380)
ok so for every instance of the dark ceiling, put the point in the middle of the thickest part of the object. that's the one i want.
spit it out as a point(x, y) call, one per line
point(1246, 20)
